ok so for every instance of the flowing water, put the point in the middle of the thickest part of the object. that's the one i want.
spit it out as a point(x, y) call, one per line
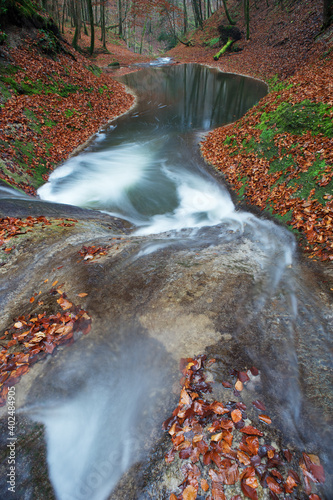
point(145, 168)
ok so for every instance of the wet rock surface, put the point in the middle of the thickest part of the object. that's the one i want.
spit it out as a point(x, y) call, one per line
point(154, 300)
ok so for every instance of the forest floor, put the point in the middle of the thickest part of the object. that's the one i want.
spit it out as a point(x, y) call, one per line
point(278, 157)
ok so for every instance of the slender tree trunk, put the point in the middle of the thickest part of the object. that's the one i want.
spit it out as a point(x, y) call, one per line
point(77, 22)
point(143, 34)
point(197, 13)
point(120, 30)
point(185, 20)
point(230, 21)
point(92, 27)
point(247, 17)
point(327, 13)
point(209, 8)
point(103, 31)
point(63, 16)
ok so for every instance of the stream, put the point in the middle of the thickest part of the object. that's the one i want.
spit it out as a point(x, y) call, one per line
point(191, 273)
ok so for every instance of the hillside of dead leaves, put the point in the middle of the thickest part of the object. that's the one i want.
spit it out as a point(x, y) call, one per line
point(53, 100)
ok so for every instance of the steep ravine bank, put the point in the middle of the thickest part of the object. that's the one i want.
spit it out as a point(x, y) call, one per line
point(52, 100)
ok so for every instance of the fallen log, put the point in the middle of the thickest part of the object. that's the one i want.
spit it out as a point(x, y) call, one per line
point(224, 49)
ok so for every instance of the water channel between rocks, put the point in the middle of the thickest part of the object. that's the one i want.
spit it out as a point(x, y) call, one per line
point(195, 275)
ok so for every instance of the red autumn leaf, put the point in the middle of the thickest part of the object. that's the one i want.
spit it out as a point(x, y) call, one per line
point(253, 444)
point(251, 430)
point(290, 484)
point(258, 404)
point(287, 455)
point(273, 485)
point(185, 453)
point(243, 377)
point(227, 385)
point(265, 418)
point(218, 408)
point(218, 491)
point(252, 482)
point(248, 491)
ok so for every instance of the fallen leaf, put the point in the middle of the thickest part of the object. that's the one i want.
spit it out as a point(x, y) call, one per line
point(265, 418)
point(190, 493)
point(236, 415)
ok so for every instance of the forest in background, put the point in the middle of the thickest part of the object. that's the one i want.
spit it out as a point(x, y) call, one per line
point(147, 26)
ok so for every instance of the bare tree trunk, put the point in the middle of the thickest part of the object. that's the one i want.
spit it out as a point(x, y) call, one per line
point(247, 17)
point(230, 21)
point(143, 34)
point(327, 13)
point(197, 13)
point(76, 10)
point(103, 31)
point(185, 20)
point(120, 31)
point(92, 27)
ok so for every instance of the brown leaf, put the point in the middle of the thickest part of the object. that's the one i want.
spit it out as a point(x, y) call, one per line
point(243, 377)
point(251, 430)
point(265, 418)
point(218, 408)
point(64, 303)
point(218, 491)
point(290, 484)
point(243, 458)
point(239, 386)
point(204, 485)
point(236, 415)
point(273, 485)
point(184, 397)
point(258, 404)
point(190, 493)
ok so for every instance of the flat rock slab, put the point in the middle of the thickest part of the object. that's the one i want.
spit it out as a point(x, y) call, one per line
point(154, 300)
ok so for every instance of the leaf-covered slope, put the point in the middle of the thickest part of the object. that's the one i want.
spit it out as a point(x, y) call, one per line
point(52, 101)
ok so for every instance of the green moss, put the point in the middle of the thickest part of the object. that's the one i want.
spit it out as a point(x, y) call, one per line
point(282, 164)
point(276, 86)
point(308, 180)
point(34, 121)
point(299, 118)
point(241, 191)
point(69, 112)
point(213, 42)
point(95, 69)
